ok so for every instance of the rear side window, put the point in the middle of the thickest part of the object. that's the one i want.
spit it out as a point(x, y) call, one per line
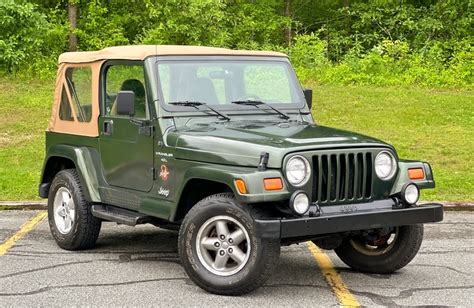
point(65, 111)
point(79, 84)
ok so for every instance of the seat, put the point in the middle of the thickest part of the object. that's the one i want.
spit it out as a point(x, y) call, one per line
point(140, 97)
point(202, 89)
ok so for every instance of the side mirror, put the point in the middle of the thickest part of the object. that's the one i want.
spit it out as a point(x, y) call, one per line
point(126, 103)
point(308, 95)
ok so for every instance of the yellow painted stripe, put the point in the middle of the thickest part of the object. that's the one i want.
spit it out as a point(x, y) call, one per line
point(345, 297)
point(25, 228)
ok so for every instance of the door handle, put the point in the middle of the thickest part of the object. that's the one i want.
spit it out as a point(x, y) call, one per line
point(108, 127)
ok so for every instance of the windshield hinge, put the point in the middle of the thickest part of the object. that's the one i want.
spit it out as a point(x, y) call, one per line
point(146, 130)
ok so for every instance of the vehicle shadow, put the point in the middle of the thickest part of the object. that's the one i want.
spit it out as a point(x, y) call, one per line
point(296, 265)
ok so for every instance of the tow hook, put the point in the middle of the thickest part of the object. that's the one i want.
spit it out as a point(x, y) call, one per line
point(397, 204)
point(314, 210)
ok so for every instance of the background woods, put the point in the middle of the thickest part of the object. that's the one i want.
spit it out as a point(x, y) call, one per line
point(347, 41)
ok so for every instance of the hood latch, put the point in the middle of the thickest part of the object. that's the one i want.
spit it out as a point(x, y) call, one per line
point(262, 165)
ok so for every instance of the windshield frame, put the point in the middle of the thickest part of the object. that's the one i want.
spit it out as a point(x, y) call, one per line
point(229, 108)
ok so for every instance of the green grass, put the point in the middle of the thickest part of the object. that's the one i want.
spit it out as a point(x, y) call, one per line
point(25, 108)
point(431, 125)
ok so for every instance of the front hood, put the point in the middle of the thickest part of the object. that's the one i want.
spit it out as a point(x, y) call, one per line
point(241, 143)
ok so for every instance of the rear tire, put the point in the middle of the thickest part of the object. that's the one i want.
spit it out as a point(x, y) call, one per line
point(379, 255)
point(220, 249)
point(70, 219)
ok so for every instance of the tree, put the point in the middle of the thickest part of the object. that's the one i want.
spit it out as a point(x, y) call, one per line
point(72, 17)
point(288, 29)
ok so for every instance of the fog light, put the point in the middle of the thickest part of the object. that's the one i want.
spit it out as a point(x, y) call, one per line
point(299, 202)
point(410, 194)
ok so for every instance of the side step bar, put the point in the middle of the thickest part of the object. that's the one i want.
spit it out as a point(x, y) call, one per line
point(119, 215)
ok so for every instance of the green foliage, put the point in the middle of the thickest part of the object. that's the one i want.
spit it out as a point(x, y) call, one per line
point(26, 37)
point(95, 31)
point(256, 24)
point(197, 23)
point(408, 42)
point(308, 54)
point(233, 24)
point(393, 63)
point(389, 43)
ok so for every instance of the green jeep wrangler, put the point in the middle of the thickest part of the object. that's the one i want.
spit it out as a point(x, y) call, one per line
point(221, 145)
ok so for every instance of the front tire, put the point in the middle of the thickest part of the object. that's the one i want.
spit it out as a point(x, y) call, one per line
point(383, 252)
point(70, 219)
point(220, 249)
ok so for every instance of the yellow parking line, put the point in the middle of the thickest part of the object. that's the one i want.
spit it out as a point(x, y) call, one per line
point(333, 278)
point(25, 228)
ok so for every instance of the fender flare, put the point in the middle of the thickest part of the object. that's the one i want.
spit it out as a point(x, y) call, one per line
point(227, 174)
point(82, 157)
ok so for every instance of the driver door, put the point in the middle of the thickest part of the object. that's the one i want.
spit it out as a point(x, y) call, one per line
point(126, 148)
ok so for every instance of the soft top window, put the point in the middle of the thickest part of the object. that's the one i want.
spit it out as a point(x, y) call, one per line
point(79, 83)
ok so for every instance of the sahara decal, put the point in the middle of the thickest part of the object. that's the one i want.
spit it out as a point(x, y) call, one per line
point(164, 154)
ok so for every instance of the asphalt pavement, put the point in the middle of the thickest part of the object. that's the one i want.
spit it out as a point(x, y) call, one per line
point(140, 266)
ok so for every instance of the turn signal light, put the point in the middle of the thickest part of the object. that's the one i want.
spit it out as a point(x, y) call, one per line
point(273, 184)
point(416, 174)
point(240, 184)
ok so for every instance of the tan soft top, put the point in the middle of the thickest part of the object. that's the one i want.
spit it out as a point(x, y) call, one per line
point(140, 52)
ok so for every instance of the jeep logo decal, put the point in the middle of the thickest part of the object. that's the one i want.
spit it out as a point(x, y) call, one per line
point(164, 192)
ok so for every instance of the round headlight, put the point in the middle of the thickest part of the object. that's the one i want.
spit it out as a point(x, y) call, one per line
point(299, 203)
point(385, 166)
point(410, 194)
point(298, 170)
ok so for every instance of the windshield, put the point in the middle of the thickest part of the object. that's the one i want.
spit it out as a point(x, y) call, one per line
point(221, 82)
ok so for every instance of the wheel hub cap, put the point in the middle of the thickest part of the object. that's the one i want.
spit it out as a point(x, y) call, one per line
point(375, 247)
point(64, 210)
point(223, 245)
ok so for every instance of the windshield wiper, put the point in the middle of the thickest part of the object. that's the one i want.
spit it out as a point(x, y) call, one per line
point(196, 104)
point(257, 103)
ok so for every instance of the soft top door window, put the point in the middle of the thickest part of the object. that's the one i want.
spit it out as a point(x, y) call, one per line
point(125, 77)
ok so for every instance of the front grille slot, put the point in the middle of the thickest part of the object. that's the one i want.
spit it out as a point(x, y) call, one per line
point(344, 177)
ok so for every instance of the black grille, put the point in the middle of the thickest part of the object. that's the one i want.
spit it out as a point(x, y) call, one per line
point(344, 177)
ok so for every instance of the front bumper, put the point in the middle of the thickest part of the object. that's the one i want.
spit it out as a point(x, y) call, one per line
point(343, 218)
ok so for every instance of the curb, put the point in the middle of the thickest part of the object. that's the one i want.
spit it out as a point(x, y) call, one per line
point(41, 205)
point(23, 205)
point(457, 206)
